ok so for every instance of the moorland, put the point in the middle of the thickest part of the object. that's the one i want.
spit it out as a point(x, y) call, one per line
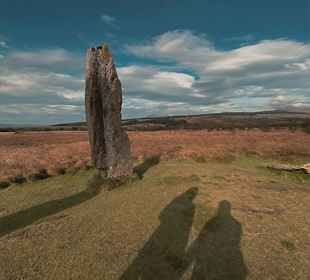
point(203, 204)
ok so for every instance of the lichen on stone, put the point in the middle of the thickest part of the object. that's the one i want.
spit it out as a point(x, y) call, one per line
point(104, 51)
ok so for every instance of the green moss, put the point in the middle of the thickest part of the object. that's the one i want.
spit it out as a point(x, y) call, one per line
point(288, 245)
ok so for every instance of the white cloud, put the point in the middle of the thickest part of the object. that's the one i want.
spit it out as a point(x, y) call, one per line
point(196, 52)
point(31, 114)
point(183, 47)
point(109, 20)
point(54, 109)
point(46, 58)
point(3, 44)
point(249, 76)
point(172, 79)
point(303, 66)
point(38, 109)
point(152, 108)
point(32, 87)
point(151, 79)
point(47, 85)
point(37, 85)
point(291, 103)
point(188, 75)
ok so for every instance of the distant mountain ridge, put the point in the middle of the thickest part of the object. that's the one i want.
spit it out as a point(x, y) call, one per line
point(149, 118)
point(231, 120)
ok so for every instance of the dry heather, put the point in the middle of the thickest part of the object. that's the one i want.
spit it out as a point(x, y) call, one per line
point(25, 153)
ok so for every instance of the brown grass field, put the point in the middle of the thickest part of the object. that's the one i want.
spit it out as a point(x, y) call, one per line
point(208, 209)
point(27, 152)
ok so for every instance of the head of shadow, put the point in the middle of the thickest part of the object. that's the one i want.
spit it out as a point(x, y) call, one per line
point(149, 162)
point(163, 254)
point(216, 253)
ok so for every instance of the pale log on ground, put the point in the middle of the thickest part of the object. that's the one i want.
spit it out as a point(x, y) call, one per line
point(109, 143)
point(288, 168)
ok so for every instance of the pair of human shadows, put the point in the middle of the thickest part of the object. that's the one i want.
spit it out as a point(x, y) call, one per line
point(215, 254)
point(30, 215)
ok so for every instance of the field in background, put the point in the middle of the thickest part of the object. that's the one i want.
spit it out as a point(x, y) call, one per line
point(24, 153)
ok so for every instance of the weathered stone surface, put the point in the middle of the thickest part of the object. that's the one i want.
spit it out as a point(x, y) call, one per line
point(109, 143)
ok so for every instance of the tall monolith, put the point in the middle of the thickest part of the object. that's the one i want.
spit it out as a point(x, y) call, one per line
point(109, 143)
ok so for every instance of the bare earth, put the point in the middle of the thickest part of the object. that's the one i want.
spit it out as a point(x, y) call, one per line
point(209, 209)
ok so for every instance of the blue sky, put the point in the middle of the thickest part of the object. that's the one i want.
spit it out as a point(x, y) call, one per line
point(173, 57)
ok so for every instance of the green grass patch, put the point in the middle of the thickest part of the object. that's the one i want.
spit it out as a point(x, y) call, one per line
point(290, 246)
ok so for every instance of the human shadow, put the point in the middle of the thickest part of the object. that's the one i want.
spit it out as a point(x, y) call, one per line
point(146, 165)
point(28, 216)
point(216, 253)
point(162, 256)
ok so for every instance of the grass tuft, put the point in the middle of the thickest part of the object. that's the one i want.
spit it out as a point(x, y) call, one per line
point(4, 185)
point(18, 179)
point(40, 175)
point(288, 245)
point(199, 159)
point(61, 171)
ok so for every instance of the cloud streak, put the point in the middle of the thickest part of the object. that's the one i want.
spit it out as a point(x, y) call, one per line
point(182, 73)
point(3, 44)
point(250, 77)
point(36, 85)
point(49, 59)
point(109, 20)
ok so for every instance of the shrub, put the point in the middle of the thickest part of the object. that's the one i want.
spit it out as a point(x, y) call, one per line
point(225, 158)
point(199, 159)
point(80, 164)
point(61, 171)
point(18, 179)
point(41, 175)
point(265, 128)
point(306, 129)
point(4, 184)
point(292, 128)
point(89, 166)
point(72, 170)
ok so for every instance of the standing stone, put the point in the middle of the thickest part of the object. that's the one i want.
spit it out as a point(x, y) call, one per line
point(109, 143)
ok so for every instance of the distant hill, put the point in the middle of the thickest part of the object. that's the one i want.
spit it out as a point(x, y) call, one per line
point(230, 120)
point(14, 125)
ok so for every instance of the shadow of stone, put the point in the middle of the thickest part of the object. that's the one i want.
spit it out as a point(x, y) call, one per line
point(216, 253)
point(163, 255)
point(28, 216)
point(146, 165)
